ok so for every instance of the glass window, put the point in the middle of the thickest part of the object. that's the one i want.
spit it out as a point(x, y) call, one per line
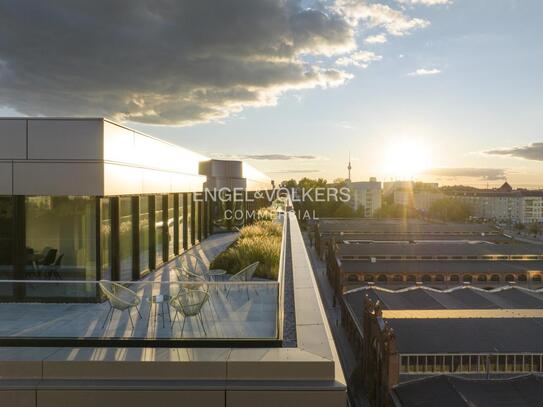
point(238, 211)
point(105, 238)
point(180, 220)
point(159, 230)
point(189, 220)
point(196, 219)
point(60, 231)
point(144, 234)
point(218, 208)
point(7, 244)
point(171, 222)
point(125, 238)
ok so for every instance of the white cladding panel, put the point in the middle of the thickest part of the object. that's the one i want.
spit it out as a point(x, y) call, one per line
point(161, 155)
point(54, 178)
point(256, 180)
point(119, 144)
point(127, 180)
point(5, 178)
point(12, 139)
point(64, 139)
point(96, 157)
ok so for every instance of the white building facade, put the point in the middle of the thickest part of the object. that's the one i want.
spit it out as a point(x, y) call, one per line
point(366, 194)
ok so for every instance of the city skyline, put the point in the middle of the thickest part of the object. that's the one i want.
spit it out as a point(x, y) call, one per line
point(431, 90)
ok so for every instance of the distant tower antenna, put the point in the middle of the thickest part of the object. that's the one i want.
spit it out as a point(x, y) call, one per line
point(349, 167)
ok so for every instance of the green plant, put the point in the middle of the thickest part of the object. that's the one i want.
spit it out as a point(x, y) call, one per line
point(258, 242)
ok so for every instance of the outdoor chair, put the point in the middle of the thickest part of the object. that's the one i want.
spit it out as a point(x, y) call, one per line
point(186, 277)
point(243, 275)
point(196, 265)
point(119, 298)
point(189, 303)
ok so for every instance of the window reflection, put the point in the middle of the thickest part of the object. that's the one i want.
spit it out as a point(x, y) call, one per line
point(125, 238)
point(171, 221)
point(7, 244)
point(144, 234)
point(189, 221)
point(180, 220)
point(105, 238)
point(61, 244)
point(159, 230)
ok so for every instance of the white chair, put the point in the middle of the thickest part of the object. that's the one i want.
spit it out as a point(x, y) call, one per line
point(119, 298)
point(196, 265)
point(190, 280)
point(243, 275)
point(189, 303)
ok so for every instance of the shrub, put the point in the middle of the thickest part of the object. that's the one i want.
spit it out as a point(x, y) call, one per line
point(261, 228)
point(258, 242)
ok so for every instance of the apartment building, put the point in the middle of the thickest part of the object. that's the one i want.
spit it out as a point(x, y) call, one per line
point(503, 204)
point(366, 194)
point(390, 187)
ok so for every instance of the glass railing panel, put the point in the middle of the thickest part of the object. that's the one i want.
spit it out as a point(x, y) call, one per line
point(140, 310)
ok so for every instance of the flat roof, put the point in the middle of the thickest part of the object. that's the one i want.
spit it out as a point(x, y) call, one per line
point(422, 298)
point(468, 335)
point(418, 237)
point(441, 266)
point(400, 226)
point(445, 248)
point(453, 391)
point(457, 298)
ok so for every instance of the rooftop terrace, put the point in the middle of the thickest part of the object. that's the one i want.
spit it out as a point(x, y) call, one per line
point(234, 311)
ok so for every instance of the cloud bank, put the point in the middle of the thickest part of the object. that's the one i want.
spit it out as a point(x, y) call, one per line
point(177, 61)
point(487, 174)
point(532, 152)
point(265, 157)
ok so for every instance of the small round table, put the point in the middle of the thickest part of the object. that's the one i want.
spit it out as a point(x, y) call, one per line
point(160, 300)
point(215, 273)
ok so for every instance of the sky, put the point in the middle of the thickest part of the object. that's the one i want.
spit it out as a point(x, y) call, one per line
point(448, 91)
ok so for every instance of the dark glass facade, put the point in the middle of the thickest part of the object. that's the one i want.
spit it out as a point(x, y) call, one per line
point(196, 222)
point(181, 223)
point(144, 235)
point(60, 241)
point(7, 244)
point(189, 220)
point(171, 228)
point(105, 239)
point(126, 238)
point(159, 230)
point(90, 238)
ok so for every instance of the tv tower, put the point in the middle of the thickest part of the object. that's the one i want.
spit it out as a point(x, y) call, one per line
point(349, 167)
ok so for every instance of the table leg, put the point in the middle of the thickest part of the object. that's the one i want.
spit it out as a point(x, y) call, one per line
point(169, 315)
point(162, 312)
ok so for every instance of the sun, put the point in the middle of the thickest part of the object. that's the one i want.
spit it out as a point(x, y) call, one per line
point(405, 159)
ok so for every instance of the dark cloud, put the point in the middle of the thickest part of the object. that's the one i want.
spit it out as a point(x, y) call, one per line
point(175, 61)
point(487, 174)
point(533, 152)
point(162, 61)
